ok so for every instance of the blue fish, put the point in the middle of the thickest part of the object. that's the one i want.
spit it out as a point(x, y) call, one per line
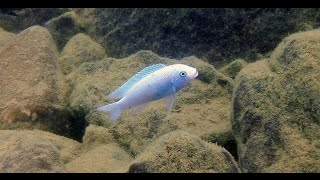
point(150, 84)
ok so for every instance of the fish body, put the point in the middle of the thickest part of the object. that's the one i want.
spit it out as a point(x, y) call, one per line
point(152, 83)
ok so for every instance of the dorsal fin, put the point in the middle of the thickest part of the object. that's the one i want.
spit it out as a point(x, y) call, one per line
point(121, 91)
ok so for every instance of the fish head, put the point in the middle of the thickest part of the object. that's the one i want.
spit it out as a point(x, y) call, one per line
point(183, 75)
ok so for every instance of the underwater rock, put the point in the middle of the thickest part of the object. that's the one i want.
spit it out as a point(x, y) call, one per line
point(216, 34)
point(224, 139)
point(182, 152)
point(203, 107)
point(64, 27)
point(99, 153)
point(79, 49)
point(34, 151)
point(18, 19)
point(232, 69)
point(5, 37)
point(276, 108)
point(104, 158)
point(96, 135)
point(31, 93)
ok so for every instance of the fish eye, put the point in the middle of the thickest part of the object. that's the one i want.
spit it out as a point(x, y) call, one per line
point(183, 73)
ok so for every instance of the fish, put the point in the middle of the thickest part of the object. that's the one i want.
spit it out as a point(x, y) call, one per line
point(155, 82)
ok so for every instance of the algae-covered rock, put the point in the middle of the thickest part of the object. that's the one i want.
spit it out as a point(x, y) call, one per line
point(276, 108)
point(216, 34)
point(65, 26)
point(18, 19)
point(31, 88)
point(170, 32)
point(5, 37)
point(104, 158)
point(201, 108)
point(99, 153)
point(222, 138)
point(95, 136)
point(79, 49)
point(233, 68)
point(68, 148)
point(182, 152)
point(34, 151)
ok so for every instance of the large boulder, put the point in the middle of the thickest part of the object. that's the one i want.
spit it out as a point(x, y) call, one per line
point(99, 153)
point(64, 27)
point(80, 49)
point(233, 68)
point(216, 34)
point(101, 159)
point(18, 19)
point(170, 32)
point(96, 136)
point(5, 37)
point(34, 151)
point(276, 108)
point(31, 93)
point(182, 152)
point(192, 112)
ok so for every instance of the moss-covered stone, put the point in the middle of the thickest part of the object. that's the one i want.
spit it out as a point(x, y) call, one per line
point(32, 91)
point(79, 49)
point(95, 136)
point(182, 152)
point(5, 37)
point(64, 27)
point(225, 140)
point(99, 153)
point(101, 159)
point(232, 69)
point(216, 34)
point(34, 151)
point(276, 108)
point(18, 19)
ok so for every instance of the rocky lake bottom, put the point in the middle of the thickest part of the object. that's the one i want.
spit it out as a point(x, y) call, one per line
point(261, 116)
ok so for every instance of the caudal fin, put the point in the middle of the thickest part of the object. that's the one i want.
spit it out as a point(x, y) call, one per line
point(114, 110)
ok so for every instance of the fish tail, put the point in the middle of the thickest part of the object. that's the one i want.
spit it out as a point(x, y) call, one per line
point(114, 110)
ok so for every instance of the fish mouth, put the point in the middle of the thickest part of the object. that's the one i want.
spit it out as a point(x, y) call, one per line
point(196, 74)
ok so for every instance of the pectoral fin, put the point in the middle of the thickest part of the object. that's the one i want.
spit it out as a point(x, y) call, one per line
point(170, 102)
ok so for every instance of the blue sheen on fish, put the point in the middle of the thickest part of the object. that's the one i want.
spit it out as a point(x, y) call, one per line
point(155, 82)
